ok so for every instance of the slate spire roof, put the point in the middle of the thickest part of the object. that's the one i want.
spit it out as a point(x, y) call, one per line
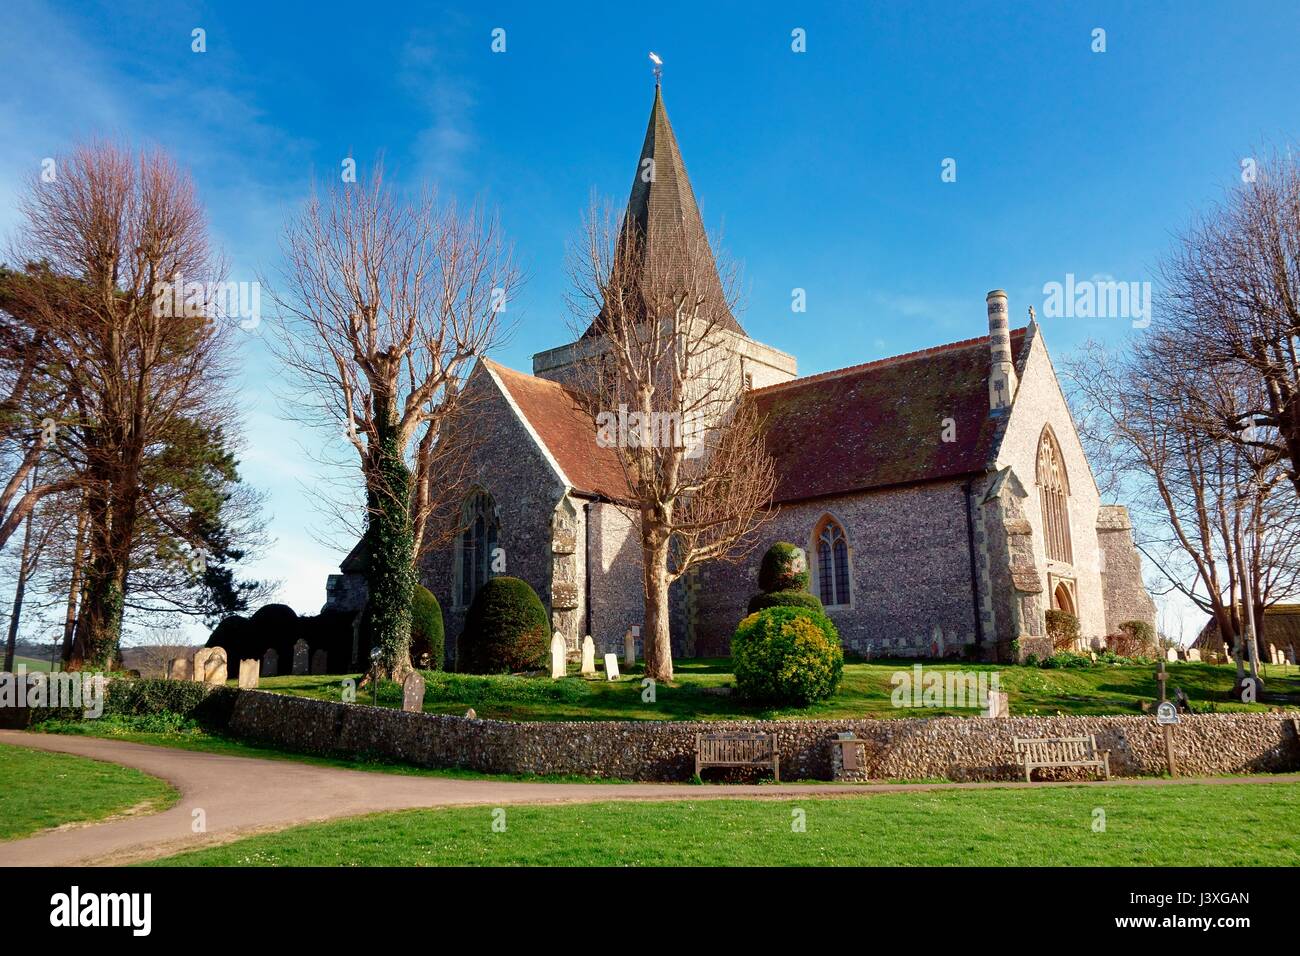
point(662, 207)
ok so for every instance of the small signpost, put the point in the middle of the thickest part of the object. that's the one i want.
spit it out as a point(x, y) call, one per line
point(1166, 717)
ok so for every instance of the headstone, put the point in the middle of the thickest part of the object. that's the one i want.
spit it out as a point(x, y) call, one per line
point(210, 665)
point(1290, 655)
point(629, 649)
point(559, 666)
point(197, 664)
point(471, 714)
point(936, 642)
point(319, 662)
point(270, 662)
point(1193, 654)
point(1171, 654)
point(998, 705)
point(300, 657)
point(180, 668)
point(248, 673)
point(588, 656)
point(611, 667)
point(413, 693)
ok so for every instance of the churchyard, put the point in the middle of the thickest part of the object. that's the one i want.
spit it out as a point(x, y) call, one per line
point(705, 689)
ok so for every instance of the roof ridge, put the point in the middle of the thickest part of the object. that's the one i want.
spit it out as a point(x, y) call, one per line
point(879, 363)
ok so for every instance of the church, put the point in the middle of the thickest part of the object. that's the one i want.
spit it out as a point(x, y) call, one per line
point(943, 497)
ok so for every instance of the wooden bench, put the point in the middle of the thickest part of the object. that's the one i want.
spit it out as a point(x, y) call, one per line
point(737, 750)
point(1033, 754)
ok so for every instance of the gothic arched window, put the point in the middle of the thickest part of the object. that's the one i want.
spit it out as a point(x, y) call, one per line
point(1054, 498)
point(476, 544)
point(832, 550)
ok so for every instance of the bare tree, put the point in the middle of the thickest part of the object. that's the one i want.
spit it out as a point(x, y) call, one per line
point(1216, 518)
point(118, 280)
point(662, 392)
point(387, 303)
point(1233, 300)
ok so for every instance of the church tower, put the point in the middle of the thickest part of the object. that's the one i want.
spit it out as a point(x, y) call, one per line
point(662, 211)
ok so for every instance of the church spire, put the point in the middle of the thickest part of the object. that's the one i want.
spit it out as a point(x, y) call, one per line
point(662, 208)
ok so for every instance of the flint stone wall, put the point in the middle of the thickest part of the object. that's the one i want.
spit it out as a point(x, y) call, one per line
point(954, 748)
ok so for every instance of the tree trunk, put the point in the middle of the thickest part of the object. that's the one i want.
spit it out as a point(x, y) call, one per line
point(19, 589)
point(657, 636)
point(390, 572)
point(74, 586)
point(99, 623)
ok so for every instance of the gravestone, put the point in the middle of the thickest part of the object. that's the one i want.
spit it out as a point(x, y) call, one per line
point(413, 693)
point(319, 662)
point(270, 662)
point(998, 705)
point(559, 651)
point(588, 656)
point(1193, 654)
point(1171, 654)
point(611, 667)
point(248, 673)
point(197, 664)
point(300, 651)
point(210, 665)
point(629, 649)
point(180, 668)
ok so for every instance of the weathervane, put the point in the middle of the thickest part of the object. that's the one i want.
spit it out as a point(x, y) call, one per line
point(659, 66)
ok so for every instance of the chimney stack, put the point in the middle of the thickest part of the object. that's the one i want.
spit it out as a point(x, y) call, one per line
point(1002, 373)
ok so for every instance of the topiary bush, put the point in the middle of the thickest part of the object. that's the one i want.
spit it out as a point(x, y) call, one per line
point(761, 602)
point(787, 655)
point(506, 629)
point(784, 568)
point(426, 630)
point(1063, 629)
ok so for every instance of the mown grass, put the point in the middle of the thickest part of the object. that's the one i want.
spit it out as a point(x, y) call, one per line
point(704, 690)
point(1184, 825)
point(39, 790)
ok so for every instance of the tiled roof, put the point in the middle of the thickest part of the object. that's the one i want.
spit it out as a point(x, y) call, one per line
point(854, 429)
point(1281, 627)
point(882, 423)
point(663, 209)
point(556, 414)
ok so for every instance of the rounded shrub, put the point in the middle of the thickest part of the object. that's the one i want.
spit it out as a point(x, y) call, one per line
point(787, 655)
point(762, 601)
point(1063, 629)
point(784, 568)
point(506, 629)
point(426, 629)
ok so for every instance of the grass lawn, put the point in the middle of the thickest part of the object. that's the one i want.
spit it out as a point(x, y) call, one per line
point(700, 692)
point(33, 664)
point(1186, 825)
point(43, 790)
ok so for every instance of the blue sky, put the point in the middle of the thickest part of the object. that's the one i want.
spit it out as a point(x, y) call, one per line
point(821, 168)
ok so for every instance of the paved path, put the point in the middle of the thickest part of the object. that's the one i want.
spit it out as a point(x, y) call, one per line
point(241, 796)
